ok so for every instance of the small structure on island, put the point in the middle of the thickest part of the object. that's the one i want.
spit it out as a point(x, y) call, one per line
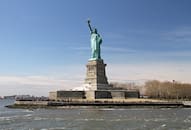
point(96, 84)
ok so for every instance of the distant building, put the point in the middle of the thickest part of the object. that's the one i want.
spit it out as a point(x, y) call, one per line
point(10, 97)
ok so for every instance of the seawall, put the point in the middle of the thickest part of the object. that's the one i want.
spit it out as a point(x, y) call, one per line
point(102, 102)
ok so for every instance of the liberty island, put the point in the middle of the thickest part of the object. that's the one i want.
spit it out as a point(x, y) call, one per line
point(96, 89)
point(96, 84)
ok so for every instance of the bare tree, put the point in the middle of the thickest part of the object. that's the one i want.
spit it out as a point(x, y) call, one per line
point(167, 90)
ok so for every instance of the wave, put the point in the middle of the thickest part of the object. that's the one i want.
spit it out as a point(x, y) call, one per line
point(55, 128)
point(90, 119)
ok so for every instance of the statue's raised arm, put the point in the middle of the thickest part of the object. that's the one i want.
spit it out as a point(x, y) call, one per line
point(89, 26)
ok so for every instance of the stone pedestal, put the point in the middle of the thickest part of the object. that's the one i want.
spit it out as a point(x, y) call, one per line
point(96, 76)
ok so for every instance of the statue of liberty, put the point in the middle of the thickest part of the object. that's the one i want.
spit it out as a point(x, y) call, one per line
point(96, 41)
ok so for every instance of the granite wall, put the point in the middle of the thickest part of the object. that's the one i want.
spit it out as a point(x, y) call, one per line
point(70, 95)
point(100, 94)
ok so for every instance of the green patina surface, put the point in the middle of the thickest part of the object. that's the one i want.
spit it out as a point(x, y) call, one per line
point(96, 41)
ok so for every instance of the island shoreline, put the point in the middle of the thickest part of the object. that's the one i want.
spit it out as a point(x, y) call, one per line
point(136, 103)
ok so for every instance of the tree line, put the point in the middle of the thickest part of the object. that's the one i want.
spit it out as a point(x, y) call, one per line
point(167, 90)
point(124, 86)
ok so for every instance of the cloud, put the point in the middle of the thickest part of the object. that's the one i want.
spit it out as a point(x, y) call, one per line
point(34, 85)
point(148, 71)
point(176, 53)
point(108, 49)
point(85, 48)
point(119, 49)
point(138, 73)
point(114, 36)
point(30, 80)
point(182, 35)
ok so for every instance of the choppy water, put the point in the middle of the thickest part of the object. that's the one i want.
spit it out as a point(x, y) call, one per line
point(94, 119)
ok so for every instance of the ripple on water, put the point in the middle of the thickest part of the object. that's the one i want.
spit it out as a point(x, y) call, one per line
point(109, 118)
point(27, 116)
point(40, 118)
point(5, 118)
point(188, 119)
point(55, 128)
point(155, 119)
point(163, 125)
point(90, 119)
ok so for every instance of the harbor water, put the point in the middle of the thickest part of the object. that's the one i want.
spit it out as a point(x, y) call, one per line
point(94, 118)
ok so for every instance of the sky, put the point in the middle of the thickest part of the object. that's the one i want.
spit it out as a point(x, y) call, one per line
point(45, 44)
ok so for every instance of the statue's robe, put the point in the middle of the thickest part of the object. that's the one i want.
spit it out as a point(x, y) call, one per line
point(96, 41)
